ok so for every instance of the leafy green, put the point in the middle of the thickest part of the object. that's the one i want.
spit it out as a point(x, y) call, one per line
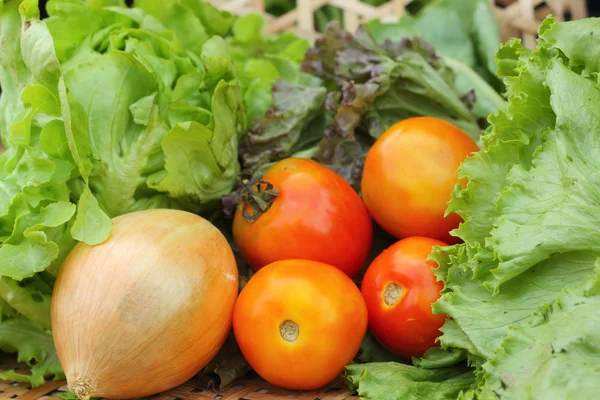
point(365, 88)
point(533, 359)
point(437, 357)
point(287, 125)
point(462, 30)
point(517, 288)
point(391, 381)
point(261, 60)
point(386, 84)
point(378, 86)
point(466, 34)
point(105, 110)
point(372, 351)
point(522, 290)
point(485, 318)
point(34, 346)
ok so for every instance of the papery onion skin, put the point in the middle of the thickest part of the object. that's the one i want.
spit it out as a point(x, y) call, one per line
point(147, 309)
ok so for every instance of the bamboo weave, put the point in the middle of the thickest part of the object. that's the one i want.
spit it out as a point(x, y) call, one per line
point(245, 389)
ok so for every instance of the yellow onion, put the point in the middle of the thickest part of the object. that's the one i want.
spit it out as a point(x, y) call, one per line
point(147, 309)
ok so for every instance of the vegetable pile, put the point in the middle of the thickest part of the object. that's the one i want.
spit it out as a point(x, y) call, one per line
point(292, 150)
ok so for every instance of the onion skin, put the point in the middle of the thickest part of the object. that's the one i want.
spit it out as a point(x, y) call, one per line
point(147, 309)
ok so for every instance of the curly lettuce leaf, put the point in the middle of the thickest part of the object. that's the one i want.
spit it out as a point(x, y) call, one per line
point(554, 355)
point(193, 22)
point(385, 84)
point(465, 30)
point(391, 381)
point(372, 351)
point(437, 357)
point(485, 318)
point(552, 207)
point(521, 288)
point(514, 135)
point(466, 34)
point(30, 298)
point(34, 346)
point(276, 136)
point(262, 60)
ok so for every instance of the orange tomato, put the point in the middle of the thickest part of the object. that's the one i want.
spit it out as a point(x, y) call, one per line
point(399, 288)
point(316, 216)
point(410, 173)
point(299, 322)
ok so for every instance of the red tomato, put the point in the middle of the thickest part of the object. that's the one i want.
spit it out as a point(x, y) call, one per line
point(399, 288)
point(299, 322)
point(410, 173)
point(316, 216)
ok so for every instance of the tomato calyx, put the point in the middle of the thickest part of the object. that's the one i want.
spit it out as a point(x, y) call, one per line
point(259, 196)
point(289, 331)
point(392, 294)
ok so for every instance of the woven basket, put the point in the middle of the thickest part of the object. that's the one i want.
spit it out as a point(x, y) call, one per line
point(244, 389)
point(518, 18)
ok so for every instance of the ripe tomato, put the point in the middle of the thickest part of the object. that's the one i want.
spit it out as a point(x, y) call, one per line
point(316, 216)
point(410, 173)
point(299, 322)
point(399, 288)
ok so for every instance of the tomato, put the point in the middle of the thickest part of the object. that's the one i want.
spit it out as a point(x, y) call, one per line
point(399, 288)
point(409, 175)
point(316, 216)
point(299, 322)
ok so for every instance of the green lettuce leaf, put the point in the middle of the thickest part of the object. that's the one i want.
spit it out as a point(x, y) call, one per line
point(465, 30)
point(261, 60)
point(391, 381)
point(34, 346)
point(437, 357)
point(372, 351)
point(534, 359)
point(560, 186)
point(14, 74)
point(521, 287)
point(485, 318)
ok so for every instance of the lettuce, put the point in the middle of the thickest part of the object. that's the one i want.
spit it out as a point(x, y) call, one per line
point(104, 110)
point(522, 291)
point(364, 89)
point(264, 59)
point(464, 32)
point(372, 381)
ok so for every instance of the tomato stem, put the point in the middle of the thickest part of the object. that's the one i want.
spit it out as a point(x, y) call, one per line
point(392, 294)
point(289, 331)
point(259, 196)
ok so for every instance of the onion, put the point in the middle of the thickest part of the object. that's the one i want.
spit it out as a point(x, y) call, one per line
point(147, 309)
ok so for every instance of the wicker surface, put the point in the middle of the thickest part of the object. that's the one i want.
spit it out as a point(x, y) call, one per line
point(245, 389)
